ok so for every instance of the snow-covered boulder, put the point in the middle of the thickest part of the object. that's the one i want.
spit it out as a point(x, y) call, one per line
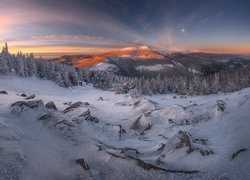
point(82, 162)
point(85, 114)
point(221, 105)
point(31, 97)
point(51, 105)
point(141, 124)
point(181, 140)
point(3, 92)
point(74, 106)
point(184, 142)
point(92, 119)
point(23, 95)
point(21, 106)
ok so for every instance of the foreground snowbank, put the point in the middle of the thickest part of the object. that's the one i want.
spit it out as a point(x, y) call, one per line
point(157, 137)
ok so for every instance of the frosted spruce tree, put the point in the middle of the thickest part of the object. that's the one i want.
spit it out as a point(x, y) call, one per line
point(19, 65)
point(31, 66)
point(3, 66)
point(4, 59)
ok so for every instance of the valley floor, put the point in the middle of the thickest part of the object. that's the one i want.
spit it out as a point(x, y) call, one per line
point(111, 136)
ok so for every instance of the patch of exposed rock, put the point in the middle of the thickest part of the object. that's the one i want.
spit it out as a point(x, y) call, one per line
point(68, 118)
point(23, 95)
point(3, 92)
point(74, 106)
point(221, 105)
point(82, 163)
point(238, 152)
point(184, 140)
point(101, 99)
point(31, 97)
point(141, 124)
point(51, 105)
point(86, 115)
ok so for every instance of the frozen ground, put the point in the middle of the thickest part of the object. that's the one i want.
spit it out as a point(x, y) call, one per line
point(152, 137)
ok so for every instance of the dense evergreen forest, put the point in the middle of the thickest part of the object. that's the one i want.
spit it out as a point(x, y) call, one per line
point(66, 76)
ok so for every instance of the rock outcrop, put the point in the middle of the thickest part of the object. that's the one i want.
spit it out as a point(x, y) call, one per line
point(31, 97)
point(221, 105)
point(74, 106)
point(21, 106)
point(141, 124)
point(23, 95)
point(51, 105)
point(3, 92)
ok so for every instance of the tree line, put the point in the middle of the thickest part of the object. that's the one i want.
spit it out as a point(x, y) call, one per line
point(28, 66)
point(66, 76)
point(195, 84)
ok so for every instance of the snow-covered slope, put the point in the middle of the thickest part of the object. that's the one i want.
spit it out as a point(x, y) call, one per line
point(105, 67)
point(142, 52)
point(157, 67)
point(116, 136)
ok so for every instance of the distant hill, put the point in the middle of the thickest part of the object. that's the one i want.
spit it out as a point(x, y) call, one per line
point(142, 52)
point(143, 61)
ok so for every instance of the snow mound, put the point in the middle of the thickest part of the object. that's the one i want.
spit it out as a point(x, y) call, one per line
point(104, 67)
point(144, 106)
point(172, 114)
point(11, 157)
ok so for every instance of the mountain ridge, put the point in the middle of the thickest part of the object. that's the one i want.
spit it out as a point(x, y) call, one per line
point(144, 61)
point(142, 52)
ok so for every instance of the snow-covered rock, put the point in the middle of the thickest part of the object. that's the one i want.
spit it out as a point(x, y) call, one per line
point(31, 97)
point(221, 105)
point(51, 105)
point(21, 106)
point(3, 92)
point(141, 124)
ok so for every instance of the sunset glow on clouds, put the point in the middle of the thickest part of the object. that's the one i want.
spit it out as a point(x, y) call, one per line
point(55, 27)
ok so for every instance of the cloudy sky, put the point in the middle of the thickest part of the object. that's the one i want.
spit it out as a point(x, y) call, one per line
point(56, 27)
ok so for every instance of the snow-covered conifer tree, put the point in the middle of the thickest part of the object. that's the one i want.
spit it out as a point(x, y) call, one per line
point(19, 65)
point(31, 65)
point(41, 72)
point(3, 66)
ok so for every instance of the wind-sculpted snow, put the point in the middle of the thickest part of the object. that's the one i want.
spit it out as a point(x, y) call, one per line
point(11, 155)
point(72, 134)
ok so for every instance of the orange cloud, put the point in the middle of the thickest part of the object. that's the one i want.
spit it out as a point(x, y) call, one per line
point(55, 51)
point(64, 44)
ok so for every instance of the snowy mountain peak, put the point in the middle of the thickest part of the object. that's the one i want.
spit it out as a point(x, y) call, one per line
point(141, 48)
point(144, 48)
